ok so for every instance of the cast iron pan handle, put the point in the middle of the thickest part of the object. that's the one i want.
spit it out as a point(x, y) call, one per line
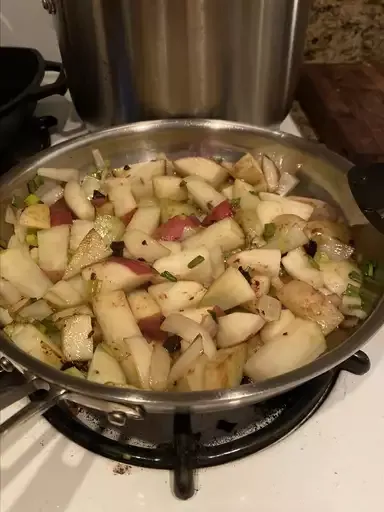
point(367, 187)
point(58, 87)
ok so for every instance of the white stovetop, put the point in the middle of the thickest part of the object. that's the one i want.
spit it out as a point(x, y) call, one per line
point(334, 463)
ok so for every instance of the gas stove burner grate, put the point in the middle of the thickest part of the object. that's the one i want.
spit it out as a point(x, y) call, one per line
point(32, 137)
point(184, 443)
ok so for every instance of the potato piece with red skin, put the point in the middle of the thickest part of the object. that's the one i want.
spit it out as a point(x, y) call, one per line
point(60, 213)
point(118, 273)
point(174, 228)
point(126, 219)
point(147, 315)
point(150, 327)
point(220, 212)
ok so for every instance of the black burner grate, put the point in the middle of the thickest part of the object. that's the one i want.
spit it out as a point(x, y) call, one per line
point(184, 443)
point(32, 137)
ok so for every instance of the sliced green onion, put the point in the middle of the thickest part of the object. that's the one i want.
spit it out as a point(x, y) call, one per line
point(31, 199)
point(41, 327)
point(369, 268)
point(355, 276)
point(352, 291)
point(31, 239)
point(321, 257)
point(313, 263)
point(213, 314)
point(368, 299)
point(97, 174)
point(169, 276)
point(196, 261)
point(269, 230)
point(34, 184)
point(50, 327)
point(235, 202)
point(17, 202)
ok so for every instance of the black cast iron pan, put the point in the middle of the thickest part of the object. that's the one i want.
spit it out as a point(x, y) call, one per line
point(22, 71)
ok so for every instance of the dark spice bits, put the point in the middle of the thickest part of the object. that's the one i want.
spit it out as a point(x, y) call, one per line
point(172, 344)
point(126, 167)
point(98, 195)
point(117, 248)
point(93, 276)
point(311, 248)
point(144, 242)
point(245, 273)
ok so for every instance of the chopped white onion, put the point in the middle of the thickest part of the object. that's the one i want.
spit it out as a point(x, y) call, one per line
point(189, 330)
point(160, 367)
point(186, 361)
point(286, 184)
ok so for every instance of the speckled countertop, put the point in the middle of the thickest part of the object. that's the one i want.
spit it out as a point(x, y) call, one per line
point(342, 31)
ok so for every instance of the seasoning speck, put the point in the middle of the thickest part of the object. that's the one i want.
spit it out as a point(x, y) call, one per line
point(144, 242)
point(121, 469)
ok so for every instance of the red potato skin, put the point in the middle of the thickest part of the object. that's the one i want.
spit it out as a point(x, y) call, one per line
point(60, 213)
point(99, 201)
point(126, 219)
point(138, 267)
point(54, 275)
point(173, 229)
point(219, 312)
point(220, 212)
point(150, 327)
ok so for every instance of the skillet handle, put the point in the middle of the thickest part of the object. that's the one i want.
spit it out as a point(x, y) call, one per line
point(58, 87)
point(31, 410)
point(13, 394)
point(367, 186)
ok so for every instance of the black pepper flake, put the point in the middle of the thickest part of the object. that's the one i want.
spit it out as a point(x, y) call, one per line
point(117, 248)
point(172, 344)
point(285, 334)
point(90, 334)
point(144, 242)
point(98, 195)
point(140, 259)
point(311, 248)
point(245, 273)
point(82, 366)
point(127, 167)
point(93, 276)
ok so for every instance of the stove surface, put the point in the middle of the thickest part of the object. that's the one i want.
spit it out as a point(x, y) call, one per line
point(333, 463)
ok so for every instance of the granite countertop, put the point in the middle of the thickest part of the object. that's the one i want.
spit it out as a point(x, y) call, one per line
point(345, 31)
point(342, 31)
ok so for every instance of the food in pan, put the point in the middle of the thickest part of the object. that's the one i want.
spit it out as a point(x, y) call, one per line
point(182, 275)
